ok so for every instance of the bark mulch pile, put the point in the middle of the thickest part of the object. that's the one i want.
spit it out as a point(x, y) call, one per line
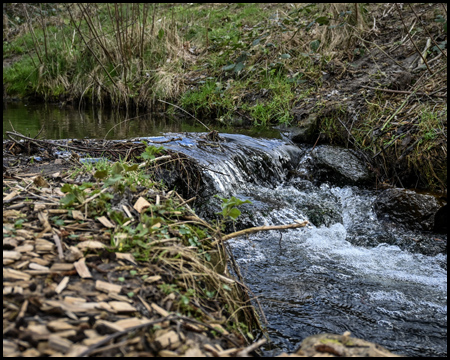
point(104, 266)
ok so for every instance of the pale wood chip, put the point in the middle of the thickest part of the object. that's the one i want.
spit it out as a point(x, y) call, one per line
point(34, 266)
point(43, 262)
point(15, 275)
point(227, 352)
point(43, 246)
point(7, 290)
point(62, 285)
point(126, 256)
point(74, 300)
point(77, 215)
point(121, 306)
point(25, 248)
point(14, 255)
point(59, 325)
point(11, 195)
point(82, 269)
point(106, 222)
point(31, 353)
point(73, 254)
point(125, 208)
point(76, 350)
point(169, 339)
point(93, 341)
point(159, 310)
point(59, 344)
point(211, 349)
point(168, 353)
point(128, 323)
point(141, 205)
point(8, 241)
point(91, 245)
point(107, 287)
point(112, 327)
point(194, 352)
point(153, 278)
point(39, 329)
point(61, 267)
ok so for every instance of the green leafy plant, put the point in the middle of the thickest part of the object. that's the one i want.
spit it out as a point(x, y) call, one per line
point(229, 207)
point(151, 151)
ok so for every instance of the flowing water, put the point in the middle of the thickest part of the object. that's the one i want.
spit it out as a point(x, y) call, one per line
point(343, 274)
point(345, 271)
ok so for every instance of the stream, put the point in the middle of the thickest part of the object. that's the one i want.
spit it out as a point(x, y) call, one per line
point(345, 271)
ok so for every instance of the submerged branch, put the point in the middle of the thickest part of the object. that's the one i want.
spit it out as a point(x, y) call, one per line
point(264, 228)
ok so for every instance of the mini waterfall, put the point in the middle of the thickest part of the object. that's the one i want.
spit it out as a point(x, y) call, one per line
point(345, 271)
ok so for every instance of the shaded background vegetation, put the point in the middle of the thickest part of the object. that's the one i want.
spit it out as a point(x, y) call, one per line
point(252, 64)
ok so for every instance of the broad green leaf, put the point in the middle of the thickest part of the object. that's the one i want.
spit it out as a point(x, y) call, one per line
point(234, 213)
point(66, 188)
point(133, 167)
point(239, 67)
point(229, 67)
point(323, 20)
point(101, 174)
point(285, 56)
point(314, 45)
point(68, 200)
point(160, 34)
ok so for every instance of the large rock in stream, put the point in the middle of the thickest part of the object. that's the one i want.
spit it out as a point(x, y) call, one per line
point(339, 166)
point(332, 345)
point(409, 208)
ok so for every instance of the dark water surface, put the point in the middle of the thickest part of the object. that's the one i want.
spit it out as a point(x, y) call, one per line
point(71, 123)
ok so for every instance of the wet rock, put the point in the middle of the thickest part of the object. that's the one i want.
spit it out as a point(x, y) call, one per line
point(341, 345)
point(413, 210)
point(339, 166)
point(305, 131)
point(440, 220)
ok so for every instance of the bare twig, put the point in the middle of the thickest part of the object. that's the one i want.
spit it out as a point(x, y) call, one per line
point(166, 102)
point(264, 228)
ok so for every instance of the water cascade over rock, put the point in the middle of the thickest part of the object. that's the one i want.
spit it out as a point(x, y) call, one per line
point(347, 271)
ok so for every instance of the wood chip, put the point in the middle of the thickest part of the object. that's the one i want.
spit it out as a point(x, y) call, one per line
point(59, 344)
point(159, 310)
point(126, 256)
point(61, 267)
point(169, 339)
point(141, 205)
point(15, 275)
point(11, 195)
point(121, 306)
point(82, 269)
point(73, 254)
point(62, 285)
point(14, 255)
point(91, 245)
point(107, 287)
point(35, 266)
point(59, 325)
point(77, 215)
point(76, 350)
point(106, 222)
point(44, 246)
point(153, 278)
